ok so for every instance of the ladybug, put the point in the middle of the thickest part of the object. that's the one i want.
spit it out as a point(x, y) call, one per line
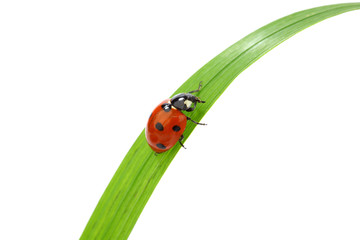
point(167, 123)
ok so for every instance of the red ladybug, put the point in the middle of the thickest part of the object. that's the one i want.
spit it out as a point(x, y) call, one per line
point(167, 123)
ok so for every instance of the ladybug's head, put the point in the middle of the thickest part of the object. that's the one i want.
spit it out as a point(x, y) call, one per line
point(184, 101)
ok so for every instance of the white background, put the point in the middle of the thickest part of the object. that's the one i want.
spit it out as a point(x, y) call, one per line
point(279, 158)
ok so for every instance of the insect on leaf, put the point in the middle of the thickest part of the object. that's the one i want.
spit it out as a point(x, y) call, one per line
point(136, 178)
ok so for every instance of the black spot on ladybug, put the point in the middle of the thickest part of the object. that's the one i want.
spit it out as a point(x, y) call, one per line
point(160, 145)
point(176, 128)
point(159, 126)
point(166, 107)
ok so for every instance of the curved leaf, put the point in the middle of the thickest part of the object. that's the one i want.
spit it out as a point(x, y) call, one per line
point(141, 170)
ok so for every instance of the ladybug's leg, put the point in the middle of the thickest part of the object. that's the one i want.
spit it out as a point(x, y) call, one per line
point(195, 121)
point(180, 139)
point(200, 85)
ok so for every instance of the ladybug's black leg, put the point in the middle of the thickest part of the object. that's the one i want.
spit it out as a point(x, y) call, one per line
point(180, 139)
point(195, 121)
point(200, 85)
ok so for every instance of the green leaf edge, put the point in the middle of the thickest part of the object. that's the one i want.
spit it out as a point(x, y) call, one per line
point(136, 178)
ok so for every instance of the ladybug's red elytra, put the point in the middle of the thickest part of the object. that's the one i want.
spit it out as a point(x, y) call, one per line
point(167, 123)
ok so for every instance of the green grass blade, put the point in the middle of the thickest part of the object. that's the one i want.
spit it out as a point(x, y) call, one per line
point(140, 171)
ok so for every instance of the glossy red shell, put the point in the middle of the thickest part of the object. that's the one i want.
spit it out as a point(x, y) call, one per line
point(173, 124)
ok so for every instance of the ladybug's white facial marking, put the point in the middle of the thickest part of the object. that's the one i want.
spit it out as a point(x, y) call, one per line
point(166, 107)
point(188, 103)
